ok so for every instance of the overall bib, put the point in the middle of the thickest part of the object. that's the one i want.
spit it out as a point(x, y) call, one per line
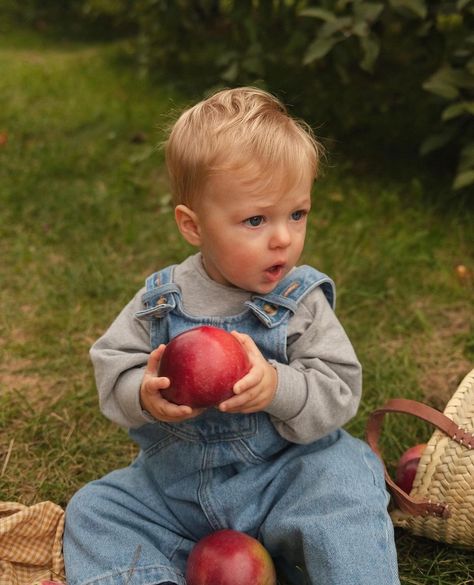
point(321, 506)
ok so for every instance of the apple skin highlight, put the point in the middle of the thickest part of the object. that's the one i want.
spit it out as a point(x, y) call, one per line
point(203, 364)
point(230, 557)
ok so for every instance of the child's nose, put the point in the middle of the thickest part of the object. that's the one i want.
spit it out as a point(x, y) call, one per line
point(281, 237)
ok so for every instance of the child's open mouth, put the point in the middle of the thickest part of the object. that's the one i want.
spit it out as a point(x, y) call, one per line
point(275, 272)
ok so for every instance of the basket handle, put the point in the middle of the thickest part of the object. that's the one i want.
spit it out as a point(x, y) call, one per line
point(402, 405)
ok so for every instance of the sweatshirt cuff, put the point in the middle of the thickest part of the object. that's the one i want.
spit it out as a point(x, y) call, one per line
point(291, 393)
point(132, 411)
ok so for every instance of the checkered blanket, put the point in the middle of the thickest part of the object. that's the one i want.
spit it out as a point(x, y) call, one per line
point(31, 543)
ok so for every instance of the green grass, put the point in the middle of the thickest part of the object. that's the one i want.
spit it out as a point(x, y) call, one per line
point(85, 216)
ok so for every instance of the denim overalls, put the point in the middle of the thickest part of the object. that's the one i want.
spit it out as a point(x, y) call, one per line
point(320, 505)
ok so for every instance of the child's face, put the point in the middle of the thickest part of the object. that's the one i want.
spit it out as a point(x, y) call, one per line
point(252, 232)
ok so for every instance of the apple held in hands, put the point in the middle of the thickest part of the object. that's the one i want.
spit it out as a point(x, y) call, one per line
point(230, 557)
point(203, 364)
point(407, 466)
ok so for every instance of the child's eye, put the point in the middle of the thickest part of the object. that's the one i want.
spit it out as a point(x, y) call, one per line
point(299, 215)
point(254, 221)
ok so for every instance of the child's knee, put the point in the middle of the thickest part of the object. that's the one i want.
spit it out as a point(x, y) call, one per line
point(83, 504)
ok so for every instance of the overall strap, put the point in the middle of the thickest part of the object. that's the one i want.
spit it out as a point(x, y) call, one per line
point(283, 301)
point(160, 295)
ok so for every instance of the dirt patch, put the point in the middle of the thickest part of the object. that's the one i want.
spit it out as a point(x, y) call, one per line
point(440, 354)
point(24, 372)
point(17, 377)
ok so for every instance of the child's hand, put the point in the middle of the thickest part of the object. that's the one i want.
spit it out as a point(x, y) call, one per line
point(256, 389)
point(150, 393)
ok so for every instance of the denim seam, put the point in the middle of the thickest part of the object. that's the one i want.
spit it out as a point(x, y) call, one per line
point(176, 548)
point(388, 539)
point(248, 454)
point(194, 436)
point(203, 497)
point(159, 446)
point(211, 319)
point(372, 472)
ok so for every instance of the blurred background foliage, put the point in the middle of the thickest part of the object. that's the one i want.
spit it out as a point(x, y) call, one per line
point(393, 80)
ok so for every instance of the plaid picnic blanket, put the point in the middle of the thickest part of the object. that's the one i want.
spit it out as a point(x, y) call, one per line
point(30, 543)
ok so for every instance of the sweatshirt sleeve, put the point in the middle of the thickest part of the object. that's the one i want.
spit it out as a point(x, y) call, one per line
point(320, 388)
point(119, 358)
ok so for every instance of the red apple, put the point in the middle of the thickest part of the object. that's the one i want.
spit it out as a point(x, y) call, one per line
point(203, 364)
point(407, 466)
point(230, 557)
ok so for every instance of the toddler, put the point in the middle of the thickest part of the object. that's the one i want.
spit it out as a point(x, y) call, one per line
point(272, 460)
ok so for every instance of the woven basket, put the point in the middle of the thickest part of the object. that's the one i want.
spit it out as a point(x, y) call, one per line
point(440, 505)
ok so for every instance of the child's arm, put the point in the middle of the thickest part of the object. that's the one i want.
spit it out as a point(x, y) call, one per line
point(126, 373)
point(120, 359)
point(319, 390)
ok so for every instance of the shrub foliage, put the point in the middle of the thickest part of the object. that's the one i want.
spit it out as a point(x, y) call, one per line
point(399, 71)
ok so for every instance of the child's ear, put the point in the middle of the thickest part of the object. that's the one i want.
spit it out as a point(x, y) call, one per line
point(188, 224)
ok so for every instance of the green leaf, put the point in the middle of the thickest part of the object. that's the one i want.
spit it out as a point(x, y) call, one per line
point(368, 11)
point(371, 49)
point(442, 89)
point(341, 5)
point(437, 141)
point(463, 179)
point(417, 7)
point(446, 81)
point(329, 28)
point(318, 49)
point(443, 83)
point(320, 13)
point(470, 66)
point(361, 29)
point(457, 109)
point(230, 74)
point(462, 4)
point(467, 157)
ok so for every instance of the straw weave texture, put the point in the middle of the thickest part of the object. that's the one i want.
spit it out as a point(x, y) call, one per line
point(446, 474)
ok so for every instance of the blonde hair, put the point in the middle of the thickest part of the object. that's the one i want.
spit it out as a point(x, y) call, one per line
point(245, 129)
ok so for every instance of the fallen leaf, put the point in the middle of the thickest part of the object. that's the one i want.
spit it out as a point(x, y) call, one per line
point(463, 273)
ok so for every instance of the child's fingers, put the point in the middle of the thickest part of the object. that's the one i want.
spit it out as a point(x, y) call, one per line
point(154, 384)
point(236, 402)
point(253, 377)
point(154, 360)
point(160, 408)
point(164, 410)
point(175, 413)
point(248, 343)
point(174, 410)
point(167, 411)
point(230, 406)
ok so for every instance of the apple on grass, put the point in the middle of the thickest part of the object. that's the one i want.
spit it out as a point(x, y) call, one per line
point(407, 466)
point(203, 364)
point(230, 557)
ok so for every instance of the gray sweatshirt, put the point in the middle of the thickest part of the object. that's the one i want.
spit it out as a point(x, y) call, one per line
point(318, 391)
